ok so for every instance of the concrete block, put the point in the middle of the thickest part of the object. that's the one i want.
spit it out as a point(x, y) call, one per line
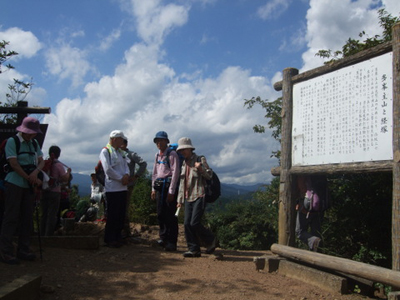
point(68, 242)
point(27, 287)
point(268, 262)
point(323, 280)
point(394, 296)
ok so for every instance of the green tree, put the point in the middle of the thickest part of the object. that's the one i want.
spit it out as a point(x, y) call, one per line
point(17, 91)
point(248, 224)
point(5, 55)
point(353, 46)
point(141, 208)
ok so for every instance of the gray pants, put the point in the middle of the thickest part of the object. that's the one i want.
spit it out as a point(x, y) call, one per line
point(18, 213)
point(50, 204)
point(304, 223)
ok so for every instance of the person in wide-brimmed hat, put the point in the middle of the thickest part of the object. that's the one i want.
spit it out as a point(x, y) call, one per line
point(26, 161)
point(192, 191)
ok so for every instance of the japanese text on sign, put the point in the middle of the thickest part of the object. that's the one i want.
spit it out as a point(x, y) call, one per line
point(344, 116)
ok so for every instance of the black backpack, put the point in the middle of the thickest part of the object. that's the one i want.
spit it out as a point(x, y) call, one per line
point(5, 168)
point(99, 171)
point(212, 187)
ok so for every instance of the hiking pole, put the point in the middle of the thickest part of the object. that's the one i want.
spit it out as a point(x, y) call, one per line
point(37, 197)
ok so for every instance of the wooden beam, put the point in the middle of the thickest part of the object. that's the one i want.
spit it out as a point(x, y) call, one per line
point(341, 63)
point(287, 213)
point(362, 167)
point(374, 273)
point(396, 150)
point(25, 110)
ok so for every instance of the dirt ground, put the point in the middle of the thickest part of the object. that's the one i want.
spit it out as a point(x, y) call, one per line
point(143, 270)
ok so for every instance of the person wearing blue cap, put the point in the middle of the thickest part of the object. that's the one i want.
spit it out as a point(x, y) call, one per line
point(164, 182)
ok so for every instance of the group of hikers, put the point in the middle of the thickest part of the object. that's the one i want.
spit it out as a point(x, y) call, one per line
point(175, 181)
point(179, 176)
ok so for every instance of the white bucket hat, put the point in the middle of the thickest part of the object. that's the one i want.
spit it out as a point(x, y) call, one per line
point(185, 143)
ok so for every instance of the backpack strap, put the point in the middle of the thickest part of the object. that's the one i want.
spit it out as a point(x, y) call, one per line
point(18, 145)
point(166, 161)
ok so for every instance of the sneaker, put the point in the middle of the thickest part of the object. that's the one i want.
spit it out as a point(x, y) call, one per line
point(192, 254)
point(26, 255)
point(161, 243)
point(8, 259)
point(212, 246)
point(316, 244)
point(170, 247)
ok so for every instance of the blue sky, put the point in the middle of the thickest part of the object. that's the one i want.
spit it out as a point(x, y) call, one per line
point(182, 66)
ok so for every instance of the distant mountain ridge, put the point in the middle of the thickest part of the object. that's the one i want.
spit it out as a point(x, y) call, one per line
point(227, 190)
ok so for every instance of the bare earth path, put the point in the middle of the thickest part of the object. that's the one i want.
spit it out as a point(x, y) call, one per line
point(143, 271)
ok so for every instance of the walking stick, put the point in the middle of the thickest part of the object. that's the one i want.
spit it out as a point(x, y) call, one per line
point(37, 201)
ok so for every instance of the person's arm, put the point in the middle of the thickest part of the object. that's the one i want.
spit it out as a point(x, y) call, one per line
point(175, 169)
point(204, 168)
point(105, 159)
point(140, 162)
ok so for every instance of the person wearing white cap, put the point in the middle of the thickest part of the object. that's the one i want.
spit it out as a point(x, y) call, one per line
point(25, 165)
point(194, 172)
point(116, 180)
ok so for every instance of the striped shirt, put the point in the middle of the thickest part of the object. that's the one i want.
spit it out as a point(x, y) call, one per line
point(192, 181)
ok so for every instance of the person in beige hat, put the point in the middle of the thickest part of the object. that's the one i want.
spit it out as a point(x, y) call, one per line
point(194, 172)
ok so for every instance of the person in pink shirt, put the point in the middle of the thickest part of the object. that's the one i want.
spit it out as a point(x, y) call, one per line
point(51, 196)
point(164, 182)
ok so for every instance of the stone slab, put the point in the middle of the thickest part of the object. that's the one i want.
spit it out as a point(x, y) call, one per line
point(26, 287)
point(323, 280)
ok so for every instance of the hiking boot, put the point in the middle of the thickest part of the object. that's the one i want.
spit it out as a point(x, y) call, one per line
point(192, 254)
point(212, 246)
point(316, 244)
point(8, 259)
point(26, 255)
point(170, 247)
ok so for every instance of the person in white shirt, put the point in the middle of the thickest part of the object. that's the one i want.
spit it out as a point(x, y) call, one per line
point(116, 181)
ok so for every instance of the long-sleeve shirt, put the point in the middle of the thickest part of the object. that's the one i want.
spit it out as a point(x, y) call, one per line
point(163, 169)
point(115, 167)
point(133, 159)
point(192, 181)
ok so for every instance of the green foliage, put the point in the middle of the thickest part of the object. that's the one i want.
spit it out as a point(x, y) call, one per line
point(247, 224)
point(353, 46)
point(358, 225)
point(273, 111)
point(141, 208)
point(74, 197)
point(18, 90)
point(5, 55)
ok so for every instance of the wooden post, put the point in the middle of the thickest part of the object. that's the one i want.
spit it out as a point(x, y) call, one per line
point(286, 205)
point(396, 150)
